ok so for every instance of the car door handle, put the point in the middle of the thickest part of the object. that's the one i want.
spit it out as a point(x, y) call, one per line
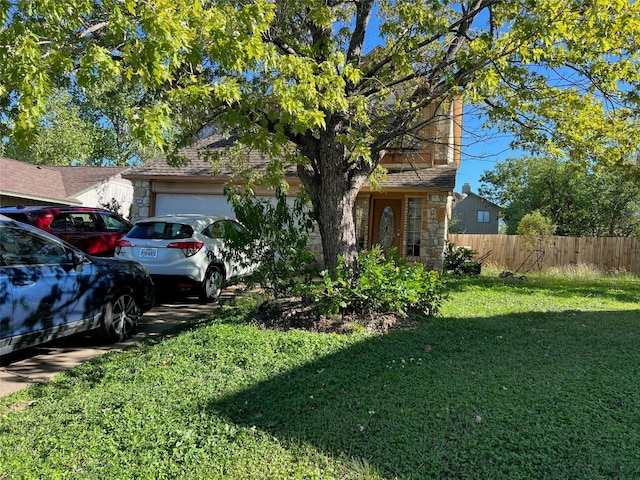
point(24, 283)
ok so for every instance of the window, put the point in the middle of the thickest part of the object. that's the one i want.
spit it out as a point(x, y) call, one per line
point(63, 223)
point(114, 224)
point(484, 216)
point(360, 220)
point(85, 222)
point(414, 226)
point(75, 222)
point(20, 247)
point(166, 231)
point(227, 229)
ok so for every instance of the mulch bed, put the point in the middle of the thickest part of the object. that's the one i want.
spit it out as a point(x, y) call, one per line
point(294, 313)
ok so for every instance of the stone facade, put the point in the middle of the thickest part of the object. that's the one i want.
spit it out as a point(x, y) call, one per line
point(141, 205)
point(434, 230)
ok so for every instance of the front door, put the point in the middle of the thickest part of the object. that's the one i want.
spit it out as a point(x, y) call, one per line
point(387, 224)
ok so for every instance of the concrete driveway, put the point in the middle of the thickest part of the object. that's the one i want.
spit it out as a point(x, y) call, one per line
point(35, 365)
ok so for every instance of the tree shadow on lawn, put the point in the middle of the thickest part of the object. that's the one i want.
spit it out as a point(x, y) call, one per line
point(548, 395)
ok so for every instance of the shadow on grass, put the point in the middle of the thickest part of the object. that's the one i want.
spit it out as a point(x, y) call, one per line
point(543, 395)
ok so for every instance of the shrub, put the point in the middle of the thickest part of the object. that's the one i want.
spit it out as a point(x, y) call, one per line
point(380, 284)
point(458, 260)
point(278, 240)
point(536, 229)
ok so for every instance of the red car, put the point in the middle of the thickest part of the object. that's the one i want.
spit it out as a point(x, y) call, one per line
point(92, 230)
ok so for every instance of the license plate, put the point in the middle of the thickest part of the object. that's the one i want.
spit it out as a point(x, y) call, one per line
point(148, 252)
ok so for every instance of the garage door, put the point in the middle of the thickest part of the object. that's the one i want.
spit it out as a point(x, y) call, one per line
point(185, 203)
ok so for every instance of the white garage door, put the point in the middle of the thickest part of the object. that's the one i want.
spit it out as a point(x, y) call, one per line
point(204, 204)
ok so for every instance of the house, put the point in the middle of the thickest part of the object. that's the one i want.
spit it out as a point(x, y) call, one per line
point(411, 212)
point(474, 214)
point(28, 184)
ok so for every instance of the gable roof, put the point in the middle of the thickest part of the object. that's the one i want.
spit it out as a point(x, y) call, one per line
point(45, 183)
point(198, 167)
point(79, 179)
point(441, 177)
point(459, 198)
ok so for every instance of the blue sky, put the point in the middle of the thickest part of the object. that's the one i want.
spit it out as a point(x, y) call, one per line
point(481, 150)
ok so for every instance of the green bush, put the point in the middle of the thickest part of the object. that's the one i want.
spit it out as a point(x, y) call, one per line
point(278, 240)
point(458, 260)
point(380, 284)
point(536, 230)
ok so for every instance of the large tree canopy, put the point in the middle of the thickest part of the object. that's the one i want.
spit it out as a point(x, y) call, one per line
point(295, 79)
point(581, 199)
point(63, 137)
point(81, 127)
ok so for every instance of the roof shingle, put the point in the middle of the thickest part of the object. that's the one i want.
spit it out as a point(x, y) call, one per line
point(198, 166)
point(50, 183)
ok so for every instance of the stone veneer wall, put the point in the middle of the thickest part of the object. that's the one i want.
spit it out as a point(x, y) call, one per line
point(434, 230)
point(141, 205)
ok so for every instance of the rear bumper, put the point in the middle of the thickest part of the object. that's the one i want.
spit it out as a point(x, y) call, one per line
point(177, 283)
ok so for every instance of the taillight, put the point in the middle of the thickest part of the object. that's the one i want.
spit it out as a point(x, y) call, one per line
point(42, 222)
point(188, 248)
point(122, 243)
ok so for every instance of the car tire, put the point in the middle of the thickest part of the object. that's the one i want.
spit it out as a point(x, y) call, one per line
point(120, 316)
point(212, 285)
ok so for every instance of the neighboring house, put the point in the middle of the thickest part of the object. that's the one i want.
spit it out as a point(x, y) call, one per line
point(28, 184)
point(474, 214)
point(411, 213)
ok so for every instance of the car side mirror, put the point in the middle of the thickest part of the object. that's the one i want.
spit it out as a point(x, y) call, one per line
point(77, 259)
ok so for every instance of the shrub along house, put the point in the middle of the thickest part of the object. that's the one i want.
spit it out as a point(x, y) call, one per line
point(410, 212)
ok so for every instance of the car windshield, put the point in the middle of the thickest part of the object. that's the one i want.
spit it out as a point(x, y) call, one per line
point(160, 230)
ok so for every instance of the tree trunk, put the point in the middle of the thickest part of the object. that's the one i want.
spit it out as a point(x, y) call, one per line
point(333, 183)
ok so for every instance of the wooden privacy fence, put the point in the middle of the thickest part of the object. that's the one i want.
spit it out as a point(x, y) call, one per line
point(510, 251)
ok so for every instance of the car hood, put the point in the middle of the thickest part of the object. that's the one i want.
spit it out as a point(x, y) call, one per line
point(109, 262)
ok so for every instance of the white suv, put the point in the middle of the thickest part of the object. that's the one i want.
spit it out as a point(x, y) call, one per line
point(184, 252)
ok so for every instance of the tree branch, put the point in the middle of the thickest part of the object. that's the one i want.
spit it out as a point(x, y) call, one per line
point(363, 15)
point(283, 46)
point(93, 28)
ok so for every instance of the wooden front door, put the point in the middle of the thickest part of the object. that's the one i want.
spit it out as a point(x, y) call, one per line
point(387, 224)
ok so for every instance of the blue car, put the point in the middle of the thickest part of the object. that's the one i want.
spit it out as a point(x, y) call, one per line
point(50, 289)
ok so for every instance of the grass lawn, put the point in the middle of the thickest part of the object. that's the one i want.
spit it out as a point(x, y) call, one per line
point(515, 379)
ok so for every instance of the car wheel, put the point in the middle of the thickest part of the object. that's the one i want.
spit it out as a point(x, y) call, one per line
point(212, 285)
point(120, 316)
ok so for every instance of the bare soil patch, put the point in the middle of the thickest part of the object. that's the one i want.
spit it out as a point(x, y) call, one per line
point(294, 313)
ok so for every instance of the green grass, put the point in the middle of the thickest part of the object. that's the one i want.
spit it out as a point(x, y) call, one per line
point(515, 379)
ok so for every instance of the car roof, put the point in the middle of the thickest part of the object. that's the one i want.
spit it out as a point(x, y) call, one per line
point(50, 209)
point(25, 226)
point(188, 218)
